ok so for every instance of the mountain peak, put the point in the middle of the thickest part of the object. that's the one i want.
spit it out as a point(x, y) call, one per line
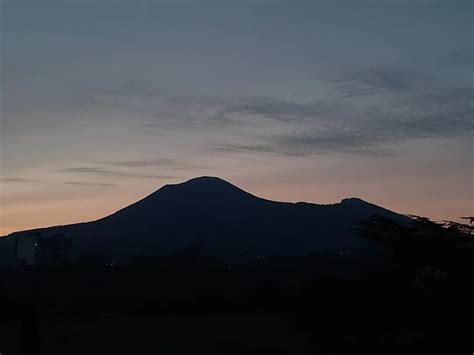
point(206, 179)
point(203, 188)
point(203, 182)
point(353, 200)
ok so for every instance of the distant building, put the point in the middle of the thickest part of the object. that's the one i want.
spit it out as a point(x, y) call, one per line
point(7, 253)
point(26, 249)
point(55, 250)
point(35, 249)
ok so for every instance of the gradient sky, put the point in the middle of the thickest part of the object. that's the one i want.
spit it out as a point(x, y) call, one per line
point(103, 102)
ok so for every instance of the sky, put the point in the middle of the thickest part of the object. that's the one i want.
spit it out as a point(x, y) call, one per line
point(103, 102)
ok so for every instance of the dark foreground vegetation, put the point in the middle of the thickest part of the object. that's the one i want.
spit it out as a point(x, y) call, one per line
point(413, 295)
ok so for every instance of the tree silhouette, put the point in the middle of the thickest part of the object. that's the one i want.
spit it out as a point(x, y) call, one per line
point(423, 248)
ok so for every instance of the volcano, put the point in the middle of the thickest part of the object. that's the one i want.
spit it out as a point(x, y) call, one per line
point(221, 220)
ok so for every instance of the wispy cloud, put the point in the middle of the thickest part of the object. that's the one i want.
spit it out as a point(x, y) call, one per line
point(80, 183)
point(113, 173)
point(281, 110)
point(306, 144)
point(381, 79)
point(364, 126)
point(153, 163)
point(19, 180)
point(141, 163)
point(361, 109)
point(240, 148)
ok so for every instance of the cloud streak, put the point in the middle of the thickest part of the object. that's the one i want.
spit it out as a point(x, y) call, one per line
point(19, 180)
point(113, 173)
point(80, 183)
point(355, 128)
point(153, 163)
point(281, 110)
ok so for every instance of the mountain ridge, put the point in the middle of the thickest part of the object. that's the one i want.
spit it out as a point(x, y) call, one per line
point(223, 219)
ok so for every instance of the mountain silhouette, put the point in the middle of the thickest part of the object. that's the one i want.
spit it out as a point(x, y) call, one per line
point(223, 221)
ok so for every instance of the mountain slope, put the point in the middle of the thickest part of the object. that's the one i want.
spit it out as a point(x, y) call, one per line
point(224, 221)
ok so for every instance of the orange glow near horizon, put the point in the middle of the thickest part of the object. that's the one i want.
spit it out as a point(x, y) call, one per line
point(38, 214)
